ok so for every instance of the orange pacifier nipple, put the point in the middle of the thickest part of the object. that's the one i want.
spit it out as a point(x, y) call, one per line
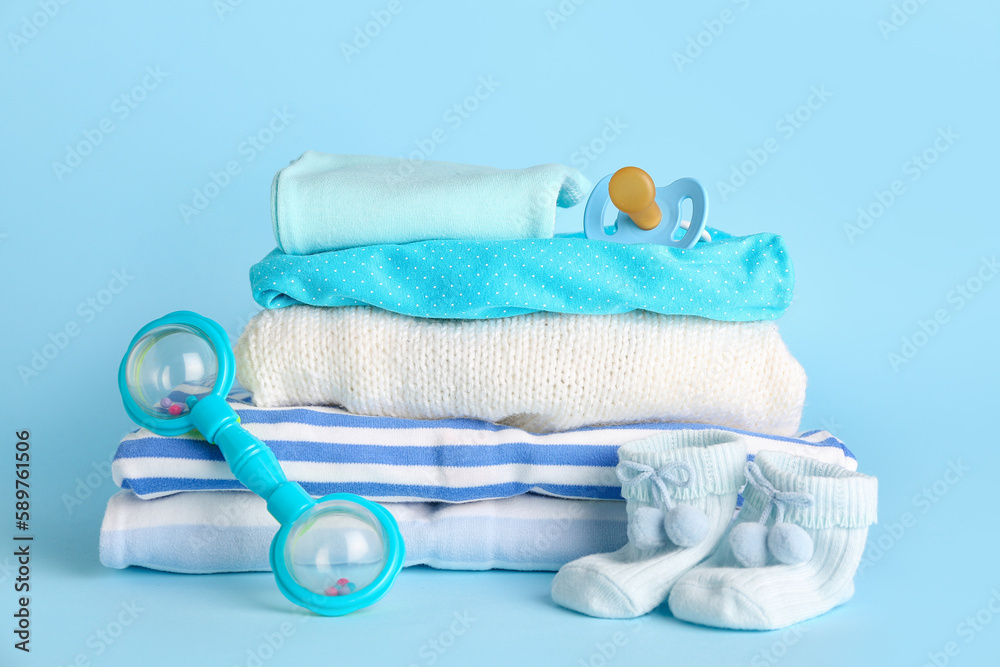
point(633, 192)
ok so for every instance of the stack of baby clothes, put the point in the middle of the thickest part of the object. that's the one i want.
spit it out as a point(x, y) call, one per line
point(429, 343)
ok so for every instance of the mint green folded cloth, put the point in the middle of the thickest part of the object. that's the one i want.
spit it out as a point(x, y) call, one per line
point(323, 202)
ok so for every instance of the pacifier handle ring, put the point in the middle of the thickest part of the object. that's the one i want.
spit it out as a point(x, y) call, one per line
point(684, 189)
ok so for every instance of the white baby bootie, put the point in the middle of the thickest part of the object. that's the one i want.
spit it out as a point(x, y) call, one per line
point(681, 489)
point(764, 578)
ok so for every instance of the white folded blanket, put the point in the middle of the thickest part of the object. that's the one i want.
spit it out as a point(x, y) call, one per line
point(541, 372)
point(231, 531)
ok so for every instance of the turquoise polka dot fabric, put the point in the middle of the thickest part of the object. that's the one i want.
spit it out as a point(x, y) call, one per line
point(736, 279)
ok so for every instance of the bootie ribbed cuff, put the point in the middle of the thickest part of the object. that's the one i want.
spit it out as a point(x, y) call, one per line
point(841, 498)
point(716, 457)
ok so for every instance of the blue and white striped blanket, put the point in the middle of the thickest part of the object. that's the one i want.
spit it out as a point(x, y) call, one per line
point(388, 459)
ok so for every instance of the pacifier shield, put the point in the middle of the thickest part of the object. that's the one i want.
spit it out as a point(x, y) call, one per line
point(647, 220)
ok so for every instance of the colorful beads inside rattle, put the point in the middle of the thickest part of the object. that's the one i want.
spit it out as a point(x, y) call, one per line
point(173, 409)
point(342, 587)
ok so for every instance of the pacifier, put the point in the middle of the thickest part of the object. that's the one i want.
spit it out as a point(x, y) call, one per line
point(334, 555)
point(642, 207)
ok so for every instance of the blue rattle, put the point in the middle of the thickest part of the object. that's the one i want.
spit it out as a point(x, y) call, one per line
point(334, 555)
point(642, 207)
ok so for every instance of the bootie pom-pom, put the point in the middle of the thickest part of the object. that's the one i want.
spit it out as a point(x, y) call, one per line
point(789, 544)
point(748, 541)
point(645, 530)
point(685, 525)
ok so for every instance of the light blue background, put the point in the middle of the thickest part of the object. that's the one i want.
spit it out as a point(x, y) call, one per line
point(558, 86)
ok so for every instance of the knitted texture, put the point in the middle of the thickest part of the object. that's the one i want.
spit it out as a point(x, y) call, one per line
point(541, 372)
point(721, 592)
point(636, 579)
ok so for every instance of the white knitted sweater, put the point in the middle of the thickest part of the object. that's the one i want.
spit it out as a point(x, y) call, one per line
point(540, 372)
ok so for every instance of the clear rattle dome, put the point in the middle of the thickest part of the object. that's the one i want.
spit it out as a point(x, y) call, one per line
point(336, 548)
point(167, 366)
